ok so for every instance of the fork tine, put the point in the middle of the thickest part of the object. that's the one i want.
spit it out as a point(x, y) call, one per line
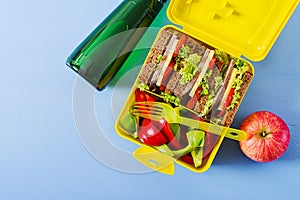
point(153, 109)
point(141, 107)
point(161, 105)
point(154, 103)
point(150, 105)
point(147, 115)
point(138, 110)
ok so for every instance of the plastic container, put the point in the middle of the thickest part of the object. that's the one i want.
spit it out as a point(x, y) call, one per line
point(221, 27)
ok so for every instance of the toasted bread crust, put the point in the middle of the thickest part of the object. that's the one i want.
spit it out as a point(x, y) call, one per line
point(152, 58)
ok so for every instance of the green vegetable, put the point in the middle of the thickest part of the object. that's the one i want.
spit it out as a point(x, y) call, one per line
point(170, 98)
point(128, 123)
point(190, 68)
point(197, 156)
point(159, 59)
point(195, 140)
point(207, 106)
point(143, 86)
point(195, 147)
point(235, 100)
point(223, 57)
point(183, 53)
point(218, 83)
point(242, 68)
point(175, 128)
point(204, 86)
point(165, 149)
point(204, 83)
point(216, 120)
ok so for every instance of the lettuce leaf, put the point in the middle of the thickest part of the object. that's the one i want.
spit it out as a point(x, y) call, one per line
point(190, 68)
point(204, 83)
point(143, 86)
point(158, 60)
point(222, 56)
point(218, 83)
point(183, 53)
point(207, 106)
point(242, 68)
point(235, 100)
point(168, 98)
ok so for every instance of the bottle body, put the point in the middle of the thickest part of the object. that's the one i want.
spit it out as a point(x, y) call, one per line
point(102, 53)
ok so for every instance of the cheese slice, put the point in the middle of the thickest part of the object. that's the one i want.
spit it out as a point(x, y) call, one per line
point(229, 86)
point(202, 73)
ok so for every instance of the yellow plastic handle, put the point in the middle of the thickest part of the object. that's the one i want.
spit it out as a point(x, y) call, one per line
point(154, 160)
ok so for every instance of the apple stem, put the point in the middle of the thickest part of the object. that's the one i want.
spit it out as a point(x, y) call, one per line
point(264, 134)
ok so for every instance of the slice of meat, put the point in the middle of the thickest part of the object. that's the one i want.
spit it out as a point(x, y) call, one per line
point(165, 63)
point(228, 72)
point(166, 60)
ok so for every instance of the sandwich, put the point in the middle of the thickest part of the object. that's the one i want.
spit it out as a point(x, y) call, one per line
point(190, 73)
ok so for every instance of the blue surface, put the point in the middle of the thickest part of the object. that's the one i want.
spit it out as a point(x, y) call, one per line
point(42, 156)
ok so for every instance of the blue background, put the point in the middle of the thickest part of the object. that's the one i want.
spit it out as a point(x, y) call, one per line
point(41, 155)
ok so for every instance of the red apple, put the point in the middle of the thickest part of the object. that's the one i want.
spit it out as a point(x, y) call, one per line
point(268, 139)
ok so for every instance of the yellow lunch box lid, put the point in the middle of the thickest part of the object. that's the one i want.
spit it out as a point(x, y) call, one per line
point(239, 27)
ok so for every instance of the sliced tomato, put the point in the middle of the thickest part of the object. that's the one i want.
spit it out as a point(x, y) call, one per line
point(167, 74)
point(192, 102)
point(162, 88)
point(212, 63)
point(230, 97)
point(227, 102)
point(181, 42)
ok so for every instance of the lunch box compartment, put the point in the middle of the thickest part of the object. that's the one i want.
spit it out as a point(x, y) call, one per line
point(128, 127)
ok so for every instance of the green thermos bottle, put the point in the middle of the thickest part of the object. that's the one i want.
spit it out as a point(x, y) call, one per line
point(102, 53)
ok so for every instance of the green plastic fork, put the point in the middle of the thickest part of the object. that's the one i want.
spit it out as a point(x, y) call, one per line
point(159, 110)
